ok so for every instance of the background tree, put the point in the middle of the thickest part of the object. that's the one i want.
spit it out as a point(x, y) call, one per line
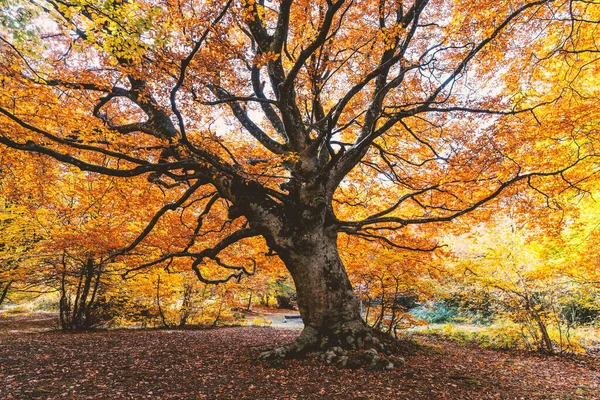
point(298, 121)
point(521, 268)
point(19, 234)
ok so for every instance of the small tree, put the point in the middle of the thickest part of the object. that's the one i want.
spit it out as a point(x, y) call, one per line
point(82, 286)
point(522, 276)
point(19, 234)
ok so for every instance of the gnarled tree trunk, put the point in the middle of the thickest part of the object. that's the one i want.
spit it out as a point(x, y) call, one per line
point(303, 232)
point(329, 308)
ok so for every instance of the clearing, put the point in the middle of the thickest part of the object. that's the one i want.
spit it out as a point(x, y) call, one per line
point(220, 364)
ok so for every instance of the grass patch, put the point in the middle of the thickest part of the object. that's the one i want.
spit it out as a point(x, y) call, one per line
point(508, 335)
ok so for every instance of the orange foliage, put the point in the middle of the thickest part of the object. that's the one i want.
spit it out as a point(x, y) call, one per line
point(213, 135)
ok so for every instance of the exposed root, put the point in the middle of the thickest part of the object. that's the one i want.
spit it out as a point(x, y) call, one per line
point(355, 359)
point(307, 340)
point(347, 347)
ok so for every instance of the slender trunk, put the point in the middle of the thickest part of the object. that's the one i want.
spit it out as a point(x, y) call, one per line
point(216, 321)
point(5, 291)
point(90, 316)
point(394, 309)
point(160, 310)
point(379, 319)
point(64, 304)
point(74, 312)
point(203, 304)
point(81, 310)
point(546, 341)
point(183, 321)
point(249, 301)
point(186, 305)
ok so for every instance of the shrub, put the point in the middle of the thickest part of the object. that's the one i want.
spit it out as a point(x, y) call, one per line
point(437, 313)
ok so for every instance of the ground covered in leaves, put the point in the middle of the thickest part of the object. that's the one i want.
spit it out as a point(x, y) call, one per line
point(220, 364)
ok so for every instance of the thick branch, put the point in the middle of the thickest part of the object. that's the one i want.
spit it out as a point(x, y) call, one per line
point(265, 104)
point(242, 116)
point(85, 166)
point(198, 257)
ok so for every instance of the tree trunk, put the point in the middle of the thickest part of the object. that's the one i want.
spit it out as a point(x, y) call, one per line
point(82, 303)
point(165, 324)
point(304, 235)
point(546, 342)
point(249, 300)
point(329, 308)
point(4, 291)
point(186, 305)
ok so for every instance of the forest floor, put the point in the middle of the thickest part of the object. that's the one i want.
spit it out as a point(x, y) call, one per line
point(221, 364)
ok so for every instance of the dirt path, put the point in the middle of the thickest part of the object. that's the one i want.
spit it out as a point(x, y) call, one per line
point(220, 364)
point(275, 318)
point(27, 322)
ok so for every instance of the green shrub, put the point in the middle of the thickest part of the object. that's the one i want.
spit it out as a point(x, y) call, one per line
point(583, 311)
point(437, 313)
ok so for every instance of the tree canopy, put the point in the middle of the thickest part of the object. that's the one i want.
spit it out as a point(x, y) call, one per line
point(293, 126)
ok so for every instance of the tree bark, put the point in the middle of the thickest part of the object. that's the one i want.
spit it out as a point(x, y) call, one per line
point(303, 233)
point(4, 291)
point(82, 303)
point(329, 308)
point(546, 341)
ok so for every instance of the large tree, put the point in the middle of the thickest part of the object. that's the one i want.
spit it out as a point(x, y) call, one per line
point(306, 119)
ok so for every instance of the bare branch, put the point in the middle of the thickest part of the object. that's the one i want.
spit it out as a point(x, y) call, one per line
point(378, 219)
point(242, 116)
point(211, 252)
point(85, 166)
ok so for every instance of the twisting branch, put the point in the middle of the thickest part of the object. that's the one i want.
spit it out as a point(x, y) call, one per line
point(85, 166)
point(234, 99)
point(242, 116)
point(266, 106)
point(199, 257)
point(387, 242)
point(241, 271)
point(70, 143)
point(200, 220)
point(168, 207)
point(400, 201)
point(378, 218)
